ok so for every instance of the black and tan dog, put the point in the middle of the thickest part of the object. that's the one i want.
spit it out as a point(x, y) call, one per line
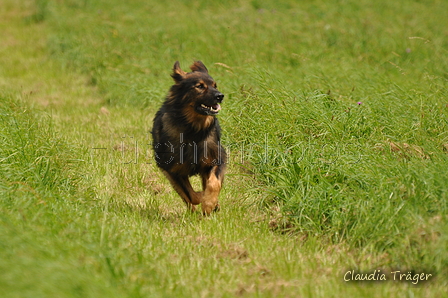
point(186, 136)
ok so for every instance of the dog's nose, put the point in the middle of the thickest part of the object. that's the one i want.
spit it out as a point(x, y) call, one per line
point(219, 96)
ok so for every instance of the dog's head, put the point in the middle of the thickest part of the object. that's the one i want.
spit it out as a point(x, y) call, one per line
point(196, 89)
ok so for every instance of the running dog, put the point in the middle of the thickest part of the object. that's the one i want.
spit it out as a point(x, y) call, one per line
point(186, 137)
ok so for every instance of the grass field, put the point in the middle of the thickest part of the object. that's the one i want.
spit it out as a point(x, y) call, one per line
point(335, 119)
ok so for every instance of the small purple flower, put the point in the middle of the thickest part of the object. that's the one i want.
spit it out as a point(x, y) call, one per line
point(359, 103)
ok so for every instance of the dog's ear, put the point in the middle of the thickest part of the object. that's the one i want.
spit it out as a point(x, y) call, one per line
point(199, 66)
point(178, 73)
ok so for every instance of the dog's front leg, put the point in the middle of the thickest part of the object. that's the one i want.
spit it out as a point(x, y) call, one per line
point(183, 187)
point(212, 183)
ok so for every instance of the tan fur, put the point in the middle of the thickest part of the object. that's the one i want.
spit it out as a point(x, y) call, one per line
point(199, 122)
point(212, 186)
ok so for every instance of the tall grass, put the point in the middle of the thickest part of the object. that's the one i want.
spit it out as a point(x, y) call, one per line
point(317, 45)
point(34, 160)
point(366, 173)
point(40, 184)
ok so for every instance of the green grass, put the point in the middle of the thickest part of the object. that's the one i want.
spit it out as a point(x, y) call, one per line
point(335, 119)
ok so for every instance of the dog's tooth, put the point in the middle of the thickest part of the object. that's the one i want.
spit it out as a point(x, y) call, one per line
point(215, 108)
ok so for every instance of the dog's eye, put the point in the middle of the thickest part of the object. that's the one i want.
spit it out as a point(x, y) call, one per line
point(200, 86)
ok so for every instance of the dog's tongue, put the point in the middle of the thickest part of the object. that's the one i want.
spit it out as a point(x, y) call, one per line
point(216, 107)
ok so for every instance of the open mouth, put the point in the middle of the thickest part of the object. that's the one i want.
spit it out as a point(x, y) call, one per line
point(209, 110)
